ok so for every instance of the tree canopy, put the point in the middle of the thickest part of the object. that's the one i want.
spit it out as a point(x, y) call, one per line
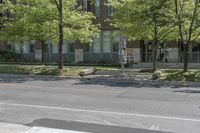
point(46, 19)
point(151, 20)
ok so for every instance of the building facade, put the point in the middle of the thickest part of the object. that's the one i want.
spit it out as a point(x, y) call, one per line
point(105, 47)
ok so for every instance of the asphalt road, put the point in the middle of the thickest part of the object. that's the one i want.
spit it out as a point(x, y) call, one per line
point(100, 105)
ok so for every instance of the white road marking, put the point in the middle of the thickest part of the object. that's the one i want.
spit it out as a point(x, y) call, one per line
point(101, 112)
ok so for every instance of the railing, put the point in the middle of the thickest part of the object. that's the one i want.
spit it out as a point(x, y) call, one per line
point(193, 58)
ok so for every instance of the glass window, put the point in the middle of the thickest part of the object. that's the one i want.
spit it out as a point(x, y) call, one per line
point(71, 47)
point(106, 41)
point(55, 48)
point(84, 5)
point(46, 48)
point(97, 45)
point(115, 42)
point(97, 8)
point(32, 48)
point(86, 47)
point(65, 47)
point(110, 8)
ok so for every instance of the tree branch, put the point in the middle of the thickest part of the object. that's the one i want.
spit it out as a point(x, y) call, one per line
point(57, 5)
point(192, 21)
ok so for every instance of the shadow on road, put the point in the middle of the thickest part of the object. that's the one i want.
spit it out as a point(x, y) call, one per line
point(9, 78)
point(136, 83)
point(86, 127)
point(111, 81)
point(188, 91)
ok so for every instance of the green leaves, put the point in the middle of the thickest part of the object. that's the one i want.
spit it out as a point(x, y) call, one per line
point(38, 20)
point(145, 19)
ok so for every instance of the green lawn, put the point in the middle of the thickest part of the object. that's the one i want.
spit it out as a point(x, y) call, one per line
point(40, 70)
point(45, 70)
point(193, 75)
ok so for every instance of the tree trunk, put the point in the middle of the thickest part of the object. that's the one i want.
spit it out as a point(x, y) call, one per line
point(42, 43)
point(155, 56)
point(185, 54)
point(60, 50)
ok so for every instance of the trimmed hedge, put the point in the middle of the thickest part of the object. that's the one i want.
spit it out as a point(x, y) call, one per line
point(9, 56)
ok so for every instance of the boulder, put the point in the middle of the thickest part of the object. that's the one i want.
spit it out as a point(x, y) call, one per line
point(87, 71)
point(156, 75)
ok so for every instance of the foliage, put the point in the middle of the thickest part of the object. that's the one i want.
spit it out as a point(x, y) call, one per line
point(40, 70)
point(150, 20)
point(38, 20)
point(188, 24)
point(178, 75)
point(47, 20)
point(140, 18)
point(7, 55)
point(187, 15)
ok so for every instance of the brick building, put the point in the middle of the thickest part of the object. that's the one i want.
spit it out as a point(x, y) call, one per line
point(105, 48)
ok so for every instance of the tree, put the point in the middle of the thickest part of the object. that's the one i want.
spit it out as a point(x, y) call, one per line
point(150, 20)
point(31, 20)
point(40, 20)
point(188, 24)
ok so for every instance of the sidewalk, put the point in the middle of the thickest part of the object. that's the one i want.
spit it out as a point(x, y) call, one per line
point(12, 128)
point(15, 128)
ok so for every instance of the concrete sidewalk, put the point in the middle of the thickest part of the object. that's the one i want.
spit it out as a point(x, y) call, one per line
point(12, 128)
point(15, 128)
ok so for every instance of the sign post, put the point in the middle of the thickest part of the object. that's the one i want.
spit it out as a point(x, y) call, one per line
point(123, 54)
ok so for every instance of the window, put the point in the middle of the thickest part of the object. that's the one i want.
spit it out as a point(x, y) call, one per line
point(85, 5)
point(106, 41)
point(86, 47)
point(46, 48)
point(110, 8)
point(32, 48)
point(97, 8)
point(115, 42)
point(65, 47)
point(55, 48)
point(97, 45)
point(71, 47)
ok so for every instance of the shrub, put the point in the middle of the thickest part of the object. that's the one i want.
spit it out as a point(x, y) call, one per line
point(9, 56)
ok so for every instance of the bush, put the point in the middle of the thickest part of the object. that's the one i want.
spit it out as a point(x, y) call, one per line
point(9, 56)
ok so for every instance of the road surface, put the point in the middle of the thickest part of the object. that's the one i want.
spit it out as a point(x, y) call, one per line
point(99, 105)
